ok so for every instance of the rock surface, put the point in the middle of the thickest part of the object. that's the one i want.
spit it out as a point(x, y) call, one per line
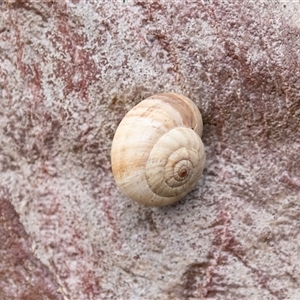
point(22, 275)
point(70, 70)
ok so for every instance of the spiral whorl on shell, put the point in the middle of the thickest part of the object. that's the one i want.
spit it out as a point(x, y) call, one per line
point(157, 154)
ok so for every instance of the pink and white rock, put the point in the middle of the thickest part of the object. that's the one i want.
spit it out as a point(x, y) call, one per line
point(70, 70)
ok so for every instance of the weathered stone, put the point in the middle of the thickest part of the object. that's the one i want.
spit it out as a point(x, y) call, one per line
point(69, 72)
point(22, 276)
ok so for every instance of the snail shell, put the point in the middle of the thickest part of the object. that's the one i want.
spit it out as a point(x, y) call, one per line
point(157, 155)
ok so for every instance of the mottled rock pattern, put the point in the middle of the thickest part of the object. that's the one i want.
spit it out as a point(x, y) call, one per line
point(22, 276)
point(69, 72)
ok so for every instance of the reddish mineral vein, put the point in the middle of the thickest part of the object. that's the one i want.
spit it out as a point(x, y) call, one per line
point(22, 275)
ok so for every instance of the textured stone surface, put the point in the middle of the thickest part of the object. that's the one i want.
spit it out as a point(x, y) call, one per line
point(22, 276)
point(71, 69)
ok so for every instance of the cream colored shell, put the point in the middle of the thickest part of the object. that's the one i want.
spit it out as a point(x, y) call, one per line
point(157, 154)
